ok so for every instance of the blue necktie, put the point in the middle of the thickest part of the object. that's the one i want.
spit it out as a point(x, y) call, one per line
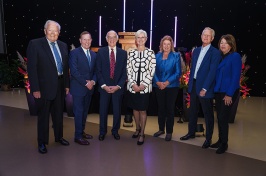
point(58, 59)
point(88, 57)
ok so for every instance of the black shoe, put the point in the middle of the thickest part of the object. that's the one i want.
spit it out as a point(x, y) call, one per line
point(136, 134)
point(141, 142)
point(42, 148)
point(216, 145)
point(82, 141)
point(222, 148)
point(101, 137)
point(62, 141)
point(168, 137)
point(188, 136)
point(158, 133)
point(206, 144)
point(86, 136)
point(116, 136)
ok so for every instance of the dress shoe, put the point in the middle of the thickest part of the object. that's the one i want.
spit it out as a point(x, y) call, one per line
point(101, 137)
point(188, 136)
point(62, 141)
point(141, 142)
point(82, 141)
point(158, 133)
point(216, 145)
point(42, 148)
point(116, 136)
point(136, 134)
point(206, 144)
point(168, 137)
point(222, 148)
point(86, 136)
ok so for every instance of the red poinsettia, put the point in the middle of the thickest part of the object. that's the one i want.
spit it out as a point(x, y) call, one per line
point(23, 70)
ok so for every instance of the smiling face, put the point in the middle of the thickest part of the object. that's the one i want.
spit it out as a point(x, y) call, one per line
point(111, 39)
point(85, 41)
point(52, 31)
point(206, 37)
point(167, 46)
point(141, 39)
point(224, 46)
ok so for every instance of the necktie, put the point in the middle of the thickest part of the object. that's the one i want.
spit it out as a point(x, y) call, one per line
point(88, 57)
point(58, 59)
point(112, 64)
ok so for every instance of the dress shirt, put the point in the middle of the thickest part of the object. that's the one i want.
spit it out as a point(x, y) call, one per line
point(110, 49)
point(203, 52)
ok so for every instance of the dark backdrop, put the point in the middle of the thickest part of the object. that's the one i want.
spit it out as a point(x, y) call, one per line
point(245, 19)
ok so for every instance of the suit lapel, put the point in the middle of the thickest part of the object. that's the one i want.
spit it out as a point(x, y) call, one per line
point(48, 51)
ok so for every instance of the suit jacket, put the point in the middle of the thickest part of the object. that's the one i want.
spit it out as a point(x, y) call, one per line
point(228, 74)
point(206, 73)
point(81, 71)
point(42, 68)
point(169, 69)
point(103, 68)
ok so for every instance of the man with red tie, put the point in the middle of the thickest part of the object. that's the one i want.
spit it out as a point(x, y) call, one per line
point(83, 78)
point(111, 75)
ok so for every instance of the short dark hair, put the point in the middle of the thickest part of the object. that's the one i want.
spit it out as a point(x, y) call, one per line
point(230, 39)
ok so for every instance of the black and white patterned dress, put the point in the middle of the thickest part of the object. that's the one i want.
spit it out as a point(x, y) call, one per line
point(140, 70)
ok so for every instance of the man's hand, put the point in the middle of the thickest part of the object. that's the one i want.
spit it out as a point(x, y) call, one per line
point(113, 89)
point(37, 94)
point(67, 91)
point(90, 84)
point(202, 93)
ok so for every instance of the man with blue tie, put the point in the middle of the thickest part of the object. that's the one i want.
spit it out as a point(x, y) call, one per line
point(49, 82)
point(82, 81)
point(111, 75)
point(205, 60)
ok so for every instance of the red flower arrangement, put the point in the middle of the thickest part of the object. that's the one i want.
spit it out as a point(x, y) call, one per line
point(243, 85)
point(23, 70)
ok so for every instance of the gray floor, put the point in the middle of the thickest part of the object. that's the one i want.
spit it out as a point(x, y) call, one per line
point(19, 156)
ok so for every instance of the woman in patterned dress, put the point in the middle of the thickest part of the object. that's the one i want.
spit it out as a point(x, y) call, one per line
point(140, 70)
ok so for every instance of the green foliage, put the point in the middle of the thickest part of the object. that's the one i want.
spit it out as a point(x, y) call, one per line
point(9, 72)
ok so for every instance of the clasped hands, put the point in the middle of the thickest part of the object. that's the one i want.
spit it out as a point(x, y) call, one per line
point(110, 89)
point(139, 88)
point(162, 85)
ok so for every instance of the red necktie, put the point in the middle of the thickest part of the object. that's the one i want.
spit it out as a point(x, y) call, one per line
point(112, 64)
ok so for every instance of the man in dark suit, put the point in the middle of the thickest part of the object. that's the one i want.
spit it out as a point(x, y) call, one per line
point(111, 75)
point(49, 82)
point(205, 60)
point(83, 78)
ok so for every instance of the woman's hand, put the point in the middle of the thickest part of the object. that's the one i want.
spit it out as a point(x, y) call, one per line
point(227, 100)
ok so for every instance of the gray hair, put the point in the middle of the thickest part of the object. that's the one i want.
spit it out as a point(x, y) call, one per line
point(212, 31)
point(109, 32)
point(139, 32)
point(51, 21)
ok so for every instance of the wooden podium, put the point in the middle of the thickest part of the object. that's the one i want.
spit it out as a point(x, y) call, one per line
point(127, 40)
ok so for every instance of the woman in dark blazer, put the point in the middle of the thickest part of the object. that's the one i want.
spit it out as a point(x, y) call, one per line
point(226, 88)
point(166, 83)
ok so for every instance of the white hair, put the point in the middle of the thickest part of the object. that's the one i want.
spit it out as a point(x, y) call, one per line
point(212, 31)
point(51, 21)
point(140, 32)
point(109, 32)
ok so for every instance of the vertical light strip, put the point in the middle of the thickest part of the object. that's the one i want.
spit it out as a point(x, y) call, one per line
point(175, 31)
point(151, 24)
point(124, 17)
point(100, 30)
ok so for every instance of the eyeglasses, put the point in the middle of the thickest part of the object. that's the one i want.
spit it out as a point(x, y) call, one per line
point(141, 37)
